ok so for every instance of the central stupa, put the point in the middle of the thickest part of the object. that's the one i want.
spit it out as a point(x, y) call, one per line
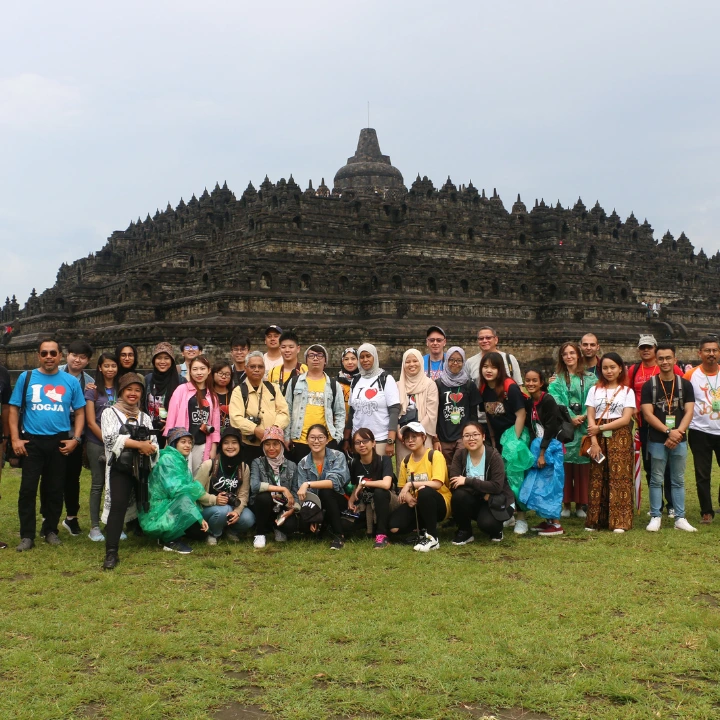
point(368, 169)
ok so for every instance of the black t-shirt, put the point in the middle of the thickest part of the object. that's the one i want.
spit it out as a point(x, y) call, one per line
point(4, 386)
point(457, 406)
point(660, 409)
point(225, 481)
point(197, 417)
point(501, 413)
point(370, 471)
point(223, 402)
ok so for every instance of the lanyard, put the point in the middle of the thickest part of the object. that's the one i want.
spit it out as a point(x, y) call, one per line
point(672, 393)
point(608, 405)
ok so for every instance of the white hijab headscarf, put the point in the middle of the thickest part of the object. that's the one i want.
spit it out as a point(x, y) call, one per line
point(375, 370)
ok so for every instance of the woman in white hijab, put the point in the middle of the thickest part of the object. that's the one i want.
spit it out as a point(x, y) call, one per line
point(418, 399)
point(374, 401)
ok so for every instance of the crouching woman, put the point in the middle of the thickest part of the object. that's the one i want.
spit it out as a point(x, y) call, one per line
point(480, 488)
point(226, 480)
point(174, 496)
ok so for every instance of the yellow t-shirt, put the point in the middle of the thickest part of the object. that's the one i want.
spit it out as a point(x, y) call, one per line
point(280, 376)
point(425, 471)
point(315, 409)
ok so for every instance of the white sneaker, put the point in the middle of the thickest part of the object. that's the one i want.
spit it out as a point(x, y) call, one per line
point(427, 544)
point(654, 524)
point(521, 527)
point(510, 522)
point(259, 542)
point(280, 536)
point(683, 524)
point(619, 531)
point(671, 513)
point(211, 540)
point(591, 529)
point(96, 534)
point(565, 513)
point(580, 513)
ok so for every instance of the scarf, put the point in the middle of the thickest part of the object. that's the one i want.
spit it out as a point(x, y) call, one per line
point(164, 384)
point(276, 463)
point(121, 370)
point(416, 385)
point(129, 411)
point(450, 379)
point(375, 370)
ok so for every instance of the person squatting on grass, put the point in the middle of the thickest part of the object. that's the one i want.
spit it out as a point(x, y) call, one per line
point(325, 472)
point(611, 407)
point(372, 476)
point(226, 479)
point(424, 493)
point(273, 486)
point(121, 470)
point(480, 490)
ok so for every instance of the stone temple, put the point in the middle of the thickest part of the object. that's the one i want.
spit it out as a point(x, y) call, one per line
point(371, 259)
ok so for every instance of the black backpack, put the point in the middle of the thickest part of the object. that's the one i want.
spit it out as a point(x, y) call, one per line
point(244, 390)
point(381, 379)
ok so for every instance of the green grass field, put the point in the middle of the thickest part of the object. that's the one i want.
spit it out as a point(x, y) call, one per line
point(583, 626)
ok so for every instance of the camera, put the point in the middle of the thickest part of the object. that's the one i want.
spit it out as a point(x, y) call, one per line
point(207, 429)
point(253, 419)
point(576, 408)
point(233, 500)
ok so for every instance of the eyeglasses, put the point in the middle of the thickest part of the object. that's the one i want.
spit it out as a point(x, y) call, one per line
point(50, 353)
point(434, 341)
point(314, 356)
point(474, 436)
point(455, 361)
point(127, 355)
point(191, 347)
point(316, 438)
point(360, 441)
point(224, 374)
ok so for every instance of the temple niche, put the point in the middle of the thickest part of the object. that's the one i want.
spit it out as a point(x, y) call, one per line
point(373, 259)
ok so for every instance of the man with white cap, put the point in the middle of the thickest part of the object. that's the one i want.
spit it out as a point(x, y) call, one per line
point(313, 398)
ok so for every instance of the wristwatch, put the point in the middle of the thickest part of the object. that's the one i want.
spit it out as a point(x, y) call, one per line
point(76, 439)
point(667, 431)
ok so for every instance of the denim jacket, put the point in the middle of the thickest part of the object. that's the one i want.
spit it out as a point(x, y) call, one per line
point(297, 403)
point(261, 477)
point(334, 468)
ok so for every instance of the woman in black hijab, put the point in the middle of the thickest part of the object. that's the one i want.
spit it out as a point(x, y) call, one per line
point(127, 356)
point(160, 384)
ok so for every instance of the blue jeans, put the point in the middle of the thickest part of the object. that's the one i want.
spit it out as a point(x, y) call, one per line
point(677, 458)
point(216, 516)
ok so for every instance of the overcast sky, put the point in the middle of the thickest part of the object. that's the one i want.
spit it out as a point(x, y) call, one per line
point(110, 110)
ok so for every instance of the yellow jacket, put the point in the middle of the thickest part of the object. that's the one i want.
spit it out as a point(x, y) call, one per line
point(265, 403)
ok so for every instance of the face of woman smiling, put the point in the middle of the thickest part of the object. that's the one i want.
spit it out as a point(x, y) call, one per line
point(199, 372)
point(272, 448)
point(366, 360)
point(412, 365)
point(132, 394)
point(184, 445)
point(533, 382)
point(230, 446)
point(610, 370)
point(350, 362)
point(127, 357)
point(163, 362)
point(413, 441)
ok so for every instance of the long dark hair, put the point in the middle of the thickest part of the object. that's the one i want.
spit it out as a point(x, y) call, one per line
point(496, 360)
point(209, 384)
point(622, 377)
point(376, 462)
point(118, 350)
point(98, 375)
point(217, 367)
point(540, 374)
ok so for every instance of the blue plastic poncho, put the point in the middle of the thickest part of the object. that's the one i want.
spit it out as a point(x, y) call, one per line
point(173, 494)
point(517, 457)
point(542, 490)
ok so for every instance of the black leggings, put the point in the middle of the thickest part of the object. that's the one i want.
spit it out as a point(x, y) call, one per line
point(265, 516)
point(122, 486)
point(467, 506)
point(431, 509)
point(333, 503)
point(381, 503)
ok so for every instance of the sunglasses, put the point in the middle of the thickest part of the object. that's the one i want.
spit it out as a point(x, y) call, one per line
point(191, 347)
point(49, 353)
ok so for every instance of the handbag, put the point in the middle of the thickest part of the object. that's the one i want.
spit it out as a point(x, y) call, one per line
point(411, 415)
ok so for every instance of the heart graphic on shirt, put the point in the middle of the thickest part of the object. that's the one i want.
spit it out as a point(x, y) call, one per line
point(55, 393)
point(370, 393)
point(456, 397)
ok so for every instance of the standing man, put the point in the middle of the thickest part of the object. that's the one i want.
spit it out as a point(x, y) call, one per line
point(79, 353)
point(43, 438)
point(667, 404)
point(313, 399)
point(291, 367)
point(189, 348)
point(239, 348)
point(4, 420)
point(273, 357)
point(256, 405)
point(638, 375)
point(487, 339)
point(434, 361)
point(704, 432)
point(591, 349)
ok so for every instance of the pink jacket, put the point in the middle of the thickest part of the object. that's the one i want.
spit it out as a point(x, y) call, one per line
point(178, 414)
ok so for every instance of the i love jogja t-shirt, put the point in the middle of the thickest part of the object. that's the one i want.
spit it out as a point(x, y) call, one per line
point(49, 401)
point(370, 405)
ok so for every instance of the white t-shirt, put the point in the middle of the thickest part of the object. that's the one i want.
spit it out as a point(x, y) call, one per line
point(270, 364)
point(370, 405)
point(707, 391)
point(619, 398)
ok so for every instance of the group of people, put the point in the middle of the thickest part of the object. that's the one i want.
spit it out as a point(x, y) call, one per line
point(269, 443)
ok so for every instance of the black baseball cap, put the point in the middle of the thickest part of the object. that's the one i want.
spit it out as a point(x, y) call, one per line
point(435, 328)
point(273, 328)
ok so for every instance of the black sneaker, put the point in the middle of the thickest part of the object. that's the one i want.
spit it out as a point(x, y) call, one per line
point(337, 544)
point(111, 560)
point(412, 539)
point(499, 538)
point(177, 546)
point(463, 537)
point(72, 526)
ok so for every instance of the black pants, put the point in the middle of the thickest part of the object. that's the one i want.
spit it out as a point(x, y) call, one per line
point(647, 466)
point(431, 509)
point(71, 486)
point(333, 503)
point(381, 503)
point(44, 466)
point(265, 516)
point(467, 505)
point(703, 446)
point(122, 486)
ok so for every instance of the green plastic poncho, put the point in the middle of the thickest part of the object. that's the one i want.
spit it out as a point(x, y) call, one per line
point(576, 393)
point(173, 494)
point(517, 458)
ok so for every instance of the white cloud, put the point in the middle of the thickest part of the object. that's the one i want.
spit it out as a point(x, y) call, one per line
point(28, 99)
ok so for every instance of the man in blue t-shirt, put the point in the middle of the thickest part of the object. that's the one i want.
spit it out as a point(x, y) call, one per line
point(4, 419)
point(42, 437)
point(434, 361)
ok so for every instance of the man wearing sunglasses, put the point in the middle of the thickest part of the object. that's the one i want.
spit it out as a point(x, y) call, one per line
point(189, 348)
point(42, 437)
